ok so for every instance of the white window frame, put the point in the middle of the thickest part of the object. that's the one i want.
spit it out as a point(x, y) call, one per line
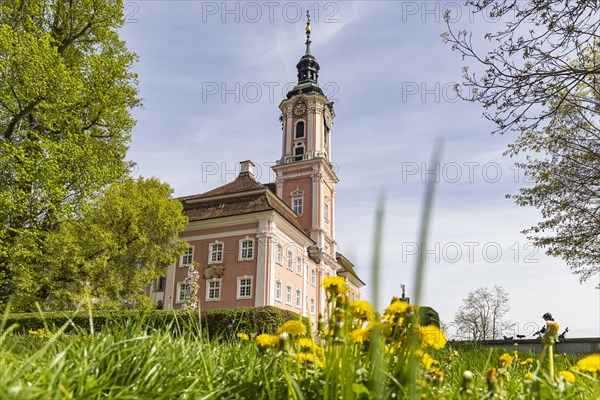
point(278, 290)
point(211, 250)
point(241, 256)
point(313, 276)
point(279, 256)
point(290, 260)
point(180, 291)
point(312, 306)
point(298, 207)
point(299, 266)
point(298, 298)
point(239, 295)
point(288, 294)
point(326, 211)
point(182, 259)
point(209, 282)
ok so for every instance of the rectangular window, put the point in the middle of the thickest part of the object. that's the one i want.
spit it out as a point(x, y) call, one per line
point(297, 205)
point(312, 306)
point(288, 294)
point(244, 288)
point(182, 292)
point(247, 249)
point(279, 254)
point(298, 298)
point(278, 290)
point(215, 253)
point(290, 260)
point(299, 265)
point(188, 257)
point(313, 276)
point(158, 285)
point(213, 290)
point(326, 212)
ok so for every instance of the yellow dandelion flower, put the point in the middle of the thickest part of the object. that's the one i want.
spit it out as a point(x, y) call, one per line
point(266, 340)
point(527, 361)
point(505, 360)
point(362, 309)
point(361, 335)
point(306, 357)
point(432, 336)
point(529, 375)
point(397, 309)
point(552, 328)
point(335, 284)
point(242, 336)
point(590, 363)
point(426, 359)
point(567, 376)
point(32, 332)
point(293, 328)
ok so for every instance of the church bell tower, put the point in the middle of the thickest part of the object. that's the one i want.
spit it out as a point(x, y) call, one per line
point(305, 176)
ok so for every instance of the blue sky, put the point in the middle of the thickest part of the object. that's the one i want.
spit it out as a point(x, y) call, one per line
point(212, 75)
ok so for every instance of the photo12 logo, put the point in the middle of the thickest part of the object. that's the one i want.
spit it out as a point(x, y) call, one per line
point(223, 172)
point(254, 92)
point(464, 171)
point(470, 252)
point(269, 11)
point(449, 11)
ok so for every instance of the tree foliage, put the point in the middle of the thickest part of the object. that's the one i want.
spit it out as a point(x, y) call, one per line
point(542, 80)
point(123, 240)
point(66, 91)
point(481, 315)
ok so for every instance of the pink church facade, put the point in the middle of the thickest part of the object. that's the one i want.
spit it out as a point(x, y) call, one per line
point(269, 244)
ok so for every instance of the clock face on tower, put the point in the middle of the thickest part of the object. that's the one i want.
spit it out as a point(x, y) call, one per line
point(299, 108)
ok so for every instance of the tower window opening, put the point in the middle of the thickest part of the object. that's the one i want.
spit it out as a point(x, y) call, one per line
point(300, 130)
point(299, 153)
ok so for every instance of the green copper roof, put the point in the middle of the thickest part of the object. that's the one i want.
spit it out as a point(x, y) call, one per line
point(306, 87)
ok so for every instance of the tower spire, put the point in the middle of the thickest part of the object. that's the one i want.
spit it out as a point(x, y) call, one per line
point(308, 68)
point(308, 29)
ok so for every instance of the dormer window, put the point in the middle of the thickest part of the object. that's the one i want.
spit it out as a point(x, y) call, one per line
point(299, 130)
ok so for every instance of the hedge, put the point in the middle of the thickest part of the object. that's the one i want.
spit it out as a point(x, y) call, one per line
point(217, 323)
point(428, 316)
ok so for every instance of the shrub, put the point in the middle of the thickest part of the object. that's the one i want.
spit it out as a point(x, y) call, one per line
point(217, 323)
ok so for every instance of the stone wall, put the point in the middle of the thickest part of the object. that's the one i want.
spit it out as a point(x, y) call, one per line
point(569, 346)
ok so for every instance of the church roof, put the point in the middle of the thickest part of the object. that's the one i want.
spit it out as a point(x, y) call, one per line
point(242, 196)
point(348, 266)
point(243, 183)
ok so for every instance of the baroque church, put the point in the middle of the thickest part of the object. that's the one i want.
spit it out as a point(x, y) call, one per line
point(269, 244)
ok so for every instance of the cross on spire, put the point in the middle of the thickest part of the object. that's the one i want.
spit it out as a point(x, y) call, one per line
point(308, 29)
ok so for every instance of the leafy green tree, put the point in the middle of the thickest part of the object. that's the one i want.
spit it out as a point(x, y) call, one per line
point(66, 91)
point(123, 240)
point(566, 173)
point(542, 80)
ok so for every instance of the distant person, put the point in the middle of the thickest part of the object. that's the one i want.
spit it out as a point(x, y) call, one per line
point(547, 317)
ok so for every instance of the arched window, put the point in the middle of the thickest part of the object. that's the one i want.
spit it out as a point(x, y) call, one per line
point(299, 130)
